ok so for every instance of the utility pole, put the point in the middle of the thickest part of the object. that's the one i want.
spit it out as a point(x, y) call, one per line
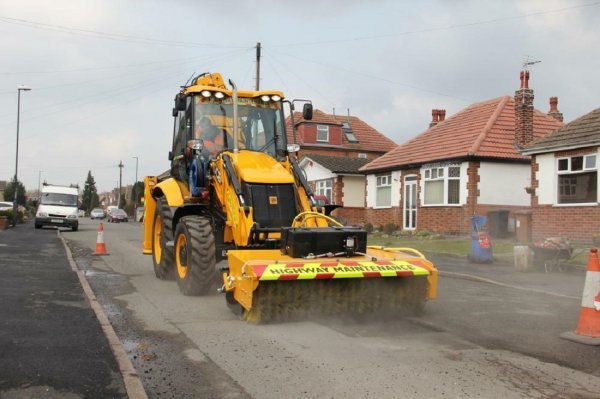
point(39, 193)
point(136, 168)
point(120, 182)
point(134, 186)
point(258, 66)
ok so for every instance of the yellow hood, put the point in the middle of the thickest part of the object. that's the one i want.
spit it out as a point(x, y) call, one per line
point(258, 167)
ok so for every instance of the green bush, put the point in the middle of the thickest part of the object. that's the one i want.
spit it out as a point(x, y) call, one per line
point(368, 227)
point(389, 228)
point(9, 215)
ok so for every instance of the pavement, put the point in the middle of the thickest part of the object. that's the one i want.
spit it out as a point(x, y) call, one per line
point(55, 340)
point(53, 343)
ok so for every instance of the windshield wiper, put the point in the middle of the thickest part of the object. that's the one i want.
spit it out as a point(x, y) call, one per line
point(267, 144)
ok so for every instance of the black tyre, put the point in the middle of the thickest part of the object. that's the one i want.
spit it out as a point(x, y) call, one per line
point(162, 255)
point(38, 226)
point(195, 255)
point(75, 228)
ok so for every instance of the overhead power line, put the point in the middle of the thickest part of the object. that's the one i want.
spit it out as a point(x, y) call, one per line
point(136, 72)
point(106, 67)
point(386, 80)
point(136, 90)
point(108, 35)
point(443, 28)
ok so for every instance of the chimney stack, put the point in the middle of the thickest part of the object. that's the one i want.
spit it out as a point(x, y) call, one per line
point(442, 115)
point(524, 112)
point(435, 117)
point(554, 112)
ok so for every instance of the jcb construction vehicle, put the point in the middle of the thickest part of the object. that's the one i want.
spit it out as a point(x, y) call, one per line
point(235, 192)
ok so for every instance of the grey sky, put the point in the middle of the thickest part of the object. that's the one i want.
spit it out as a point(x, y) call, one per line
point(104, 72)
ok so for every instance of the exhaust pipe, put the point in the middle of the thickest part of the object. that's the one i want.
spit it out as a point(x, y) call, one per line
point(235, 116)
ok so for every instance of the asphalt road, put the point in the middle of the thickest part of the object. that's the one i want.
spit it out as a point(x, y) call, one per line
point(476, 340)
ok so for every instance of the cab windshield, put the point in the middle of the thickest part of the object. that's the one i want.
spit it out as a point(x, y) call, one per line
point(59, 199)
point(260, 123)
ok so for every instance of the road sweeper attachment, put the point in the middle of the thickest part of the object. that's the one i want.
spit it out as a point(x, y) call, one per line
point(270, 286)
point(235, 191)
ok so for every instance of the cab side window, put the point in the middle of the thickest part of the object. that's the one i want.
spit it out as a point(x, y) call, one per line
point(182, 133)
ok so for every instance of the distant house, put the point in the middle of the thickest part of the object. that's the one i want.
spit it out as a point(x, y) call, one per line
point(464, 165)
point(332, 150)
point(564, 180)
point(339, 180)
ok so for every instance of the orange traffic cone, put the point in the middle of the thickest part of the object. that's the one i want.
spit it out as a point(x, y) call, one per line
point(100, 247)
point(588, 328)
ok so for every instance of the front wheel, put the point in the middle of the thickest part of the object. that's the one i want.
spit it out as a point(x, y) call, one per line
point(195, 255)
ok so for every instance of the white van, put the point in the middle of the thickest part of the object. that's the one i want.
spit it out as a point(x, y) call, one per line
point(58, 207)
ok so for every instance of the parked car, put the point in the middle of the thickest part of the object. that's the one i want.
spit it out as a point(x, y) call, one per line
point(97, 213)
point(117, 216)
point(111, 208)
point(5, 205)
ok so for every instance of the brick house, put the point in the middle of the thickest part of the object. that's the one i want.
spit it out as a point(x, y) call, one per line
point(332, 150)
point(464, 165)
point(564, 176)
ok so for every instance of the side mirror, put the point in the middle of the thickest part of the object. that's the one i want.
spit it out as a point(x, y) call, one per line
point(175, 112)
point(307, 111)
point(180, 102)
point(170, 155)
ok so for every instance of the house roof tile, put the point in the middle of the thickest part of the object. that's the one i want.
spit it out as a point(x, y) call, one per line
point(484, 130)
point(339, 165)
point(582, 132)
point(369, 138)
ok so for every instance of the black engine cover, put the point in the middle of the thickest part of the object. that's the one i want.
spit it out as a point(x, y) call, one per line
point(299, 242)
point(274, 205)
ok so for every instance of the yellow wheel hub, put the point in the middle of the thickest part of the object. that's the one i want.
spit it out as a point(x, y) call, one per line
point(157, 250)
point(181, 255)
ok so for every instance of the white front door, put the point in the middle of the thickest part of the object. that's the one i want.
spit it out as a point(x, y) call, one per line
point(410, 202)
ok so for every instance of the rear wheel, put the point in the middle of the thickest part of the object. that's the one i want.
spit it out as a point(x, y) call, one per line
point(195, 255)
point(162, 255)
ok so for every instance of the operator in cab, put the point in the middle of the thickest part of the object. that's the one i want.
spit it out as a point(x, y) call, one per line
point(211, 136)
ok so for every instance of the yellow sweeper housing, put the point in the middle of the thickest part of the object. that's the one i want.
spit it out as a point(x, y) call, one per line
point(248, 203)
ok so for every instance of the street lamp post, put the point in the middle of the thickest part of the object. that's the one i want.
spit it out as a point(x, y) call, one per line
point(16, 187)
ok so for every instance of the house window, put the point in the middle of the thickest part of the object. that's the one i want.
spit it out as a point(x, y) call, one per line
point(442, 185)
point(577, 180)
point(325, 187)
point(323, 133)
point(362, 155)
point(383, 190)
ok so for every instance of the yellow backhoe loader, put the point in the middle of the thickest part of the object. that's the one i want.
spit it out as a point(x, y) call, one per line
point(235, 192)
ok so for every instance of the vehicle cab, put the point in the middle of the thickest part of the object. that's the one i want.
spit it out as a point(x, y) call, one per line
point(58, 207)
